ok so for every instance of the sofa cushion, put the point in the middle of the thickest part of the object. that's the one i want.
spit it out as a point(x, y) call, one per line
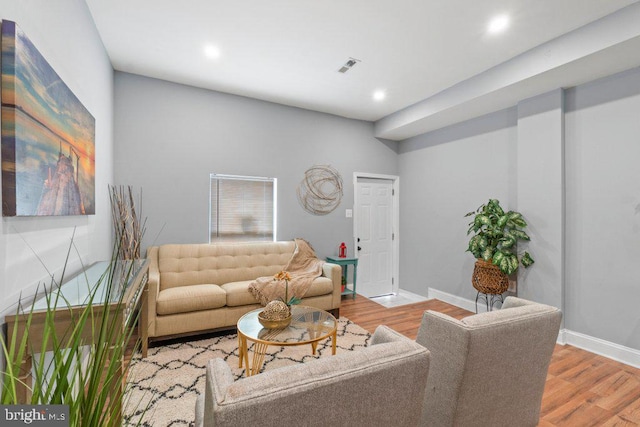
point(185, 299)
point(238, 294)
point(320, 286)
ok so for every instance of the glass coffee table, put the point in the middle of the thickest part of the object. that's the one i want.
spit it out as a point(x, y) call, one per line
point(309, 325)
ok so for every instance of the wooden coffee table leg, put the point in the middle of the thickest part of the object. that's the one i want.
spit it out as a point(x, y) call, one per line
point(244, 353)
point(259, 350)
point(240, 350)
point(314, 346)
point(334, 342)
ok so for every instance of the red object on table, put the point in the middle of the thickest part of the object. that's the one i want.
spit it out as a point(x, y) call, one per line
point(343, 250)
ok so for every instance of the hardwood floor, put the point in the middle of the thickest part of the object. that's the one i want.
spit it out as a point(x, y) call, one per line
point(582, 389)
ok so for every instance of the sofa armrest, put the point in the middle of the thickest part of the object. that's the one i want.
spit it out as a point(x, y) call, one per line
point(218, 379)
point(384, 334)
point(199, 421)
point(151, 296)
point(448, 341)
point(511, 302)
point(334, 272)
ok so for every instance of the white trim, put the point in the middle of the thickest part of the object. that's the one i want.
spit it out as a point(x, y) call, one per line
point(627, 355)
point(467, 304)
point(417, 297)
point(562, 337)
point(396, 221)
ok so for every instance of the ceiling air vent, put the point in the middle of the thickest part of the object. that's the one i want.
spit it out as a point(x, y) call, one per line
point(347, 65)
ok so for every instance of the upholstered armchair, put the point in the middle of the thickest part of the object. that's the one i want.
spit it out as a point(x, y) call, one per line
point(488, 369)
point(383, 384)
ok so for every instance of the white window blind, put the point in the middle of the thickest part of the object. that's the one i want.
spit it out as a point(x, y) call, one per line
point(243, 208)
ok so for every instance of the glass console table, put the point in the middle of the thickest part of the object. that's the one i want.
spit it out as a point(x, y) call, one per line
point(122, 299)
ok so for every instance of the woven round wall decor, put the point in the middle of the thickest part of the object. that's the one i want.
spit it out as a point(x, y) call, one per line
point(320, 191)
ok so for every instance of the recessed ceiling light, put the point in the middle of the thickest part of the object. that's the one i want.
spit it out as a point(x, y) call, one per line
point(211, 51)
point(498, 24)
point(379, 95)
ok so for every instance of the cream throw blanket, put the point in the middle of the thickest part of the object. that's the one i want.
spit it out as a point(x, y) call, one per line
point(304, 266)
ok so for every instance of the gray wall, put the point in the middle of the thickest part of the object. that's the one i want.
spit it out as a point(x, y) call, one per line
point(585, 169)
point(64, 33)
point(170, 137)
point(444, 175)
point(540, 195)
point(603, 209)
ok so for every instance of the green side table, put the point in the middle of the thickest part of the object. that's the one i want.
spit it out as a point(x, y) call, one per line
point(345, 263)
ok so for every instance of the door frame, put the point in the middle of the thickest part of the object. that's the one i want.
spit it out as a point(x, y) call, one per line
point(395, 210)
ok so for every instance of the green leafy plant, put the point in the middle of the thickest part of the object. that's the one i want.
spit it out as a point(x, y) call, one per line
point(84, 372)
point(496, 234)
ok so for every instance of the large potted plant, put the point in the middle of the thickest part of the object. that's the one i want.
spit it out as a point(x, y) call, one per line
point(90, 358)
point(494, 242)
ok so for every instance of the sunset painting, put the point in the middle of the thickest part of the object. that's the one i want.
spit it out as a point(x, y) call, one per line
point(48, 148)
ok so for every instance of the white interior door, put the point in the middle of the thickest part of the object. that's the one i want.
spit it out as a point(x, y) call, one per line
point(374, 236)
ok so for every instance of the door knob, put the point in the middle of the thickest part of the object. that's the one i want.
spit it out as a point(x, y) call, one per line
point(359, 248)
point(358, 240)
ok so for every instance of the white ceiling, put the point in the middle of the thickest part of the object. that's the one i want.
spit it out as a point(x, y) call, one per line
point(289, 51)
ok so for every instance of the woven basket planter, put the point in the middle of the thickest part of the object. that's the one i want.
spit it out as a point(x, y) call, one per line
point(488, 278)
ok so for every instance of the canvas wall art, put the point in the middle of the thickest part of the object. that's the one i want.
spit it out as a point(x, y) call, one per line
point(48, 136)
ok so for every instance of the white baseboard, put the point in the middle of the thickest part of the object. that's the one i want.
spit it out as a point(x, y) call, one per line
point(620, 353)
point(562, 337)
point(411, 295)
point(464, 303)
point(627, 355)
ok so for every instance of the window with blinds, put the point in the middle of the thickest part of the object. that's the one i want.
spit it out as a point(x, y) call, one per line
point(243, 208)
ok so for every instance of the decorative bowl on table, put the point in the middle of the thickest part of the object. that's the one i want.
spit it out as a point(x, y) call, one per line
point(274, 324)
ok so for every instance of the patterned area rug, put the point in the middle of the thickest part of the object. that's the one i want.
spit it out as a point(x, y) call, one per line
point(168, 381)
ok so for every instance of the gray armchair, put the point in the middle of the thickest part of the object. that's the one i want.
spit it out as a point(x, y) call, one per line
point(383, 384)
point(488, 369)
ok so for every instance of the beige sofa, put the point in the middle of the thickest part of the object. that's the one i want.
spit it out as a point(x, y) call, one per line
point(381, 385)
point(202, 287)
